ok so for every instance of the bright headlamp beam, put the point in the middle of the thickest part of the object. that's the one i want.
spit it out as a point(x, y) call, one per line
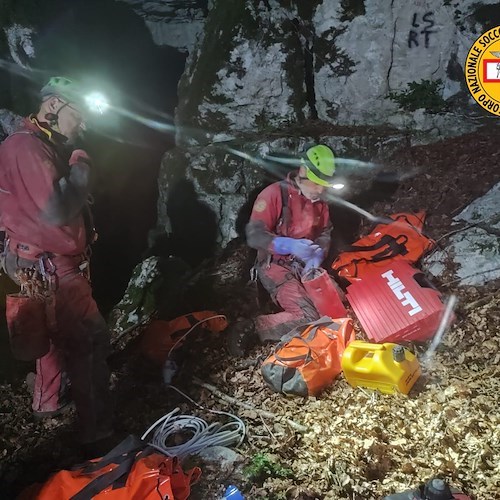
point(97, 103)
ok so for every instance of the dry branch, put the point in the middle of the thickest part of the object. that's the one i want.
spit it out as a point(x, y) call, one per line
point(247, 406)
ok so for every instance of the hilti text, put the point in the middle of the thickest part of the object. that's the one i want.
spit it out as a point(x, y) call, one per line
point(406, 298)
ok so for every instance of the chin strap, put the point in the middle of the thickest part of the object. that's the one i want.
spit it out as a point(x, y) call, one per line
point(302, 192)
point(53, 118)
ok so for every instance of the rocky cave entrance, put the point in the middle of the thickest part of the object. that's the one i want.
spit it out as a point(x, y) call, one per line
point(117, 51)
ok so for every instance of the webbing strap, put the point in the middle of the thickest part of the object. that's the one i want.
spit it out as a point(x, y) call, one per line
point(324, 321)
point(122, 480)
point(100, 483)
point(421, 220)
point(130, 444)
point(394, 246)
point(392, 249)
point(305, 357)
point(124, 455)
point(284, 217)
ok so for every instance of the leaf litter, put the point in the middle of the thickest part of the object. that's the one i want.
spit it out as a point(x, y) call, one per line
point(359, 444)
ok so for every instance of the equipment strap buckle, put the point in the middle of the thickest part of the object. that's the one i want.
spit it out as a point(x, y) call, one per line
point(84, 268)
point(48, 271)
point(47, 267)
point(253, 274)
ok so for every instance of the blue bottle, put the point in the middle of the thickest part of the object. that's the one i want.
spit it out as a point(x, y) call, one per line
point(233, 493)
point(169, 370)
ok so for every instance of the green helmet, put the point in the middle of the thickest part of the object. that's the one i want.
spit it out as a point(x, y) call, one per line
point(65, 88)
point(320, 164)
point(72, 92)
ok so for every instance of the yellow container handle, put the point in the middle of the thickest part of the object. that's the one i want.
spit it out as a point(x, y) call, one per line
point(367, 346)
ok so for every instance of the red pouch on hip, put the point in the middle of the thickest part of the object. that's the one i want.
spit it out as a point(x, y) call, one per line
point(324, 294)
point(27, 325)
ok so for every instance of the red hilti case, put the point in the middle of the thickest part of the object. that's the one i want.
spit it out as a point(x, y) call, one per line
point(396, 303)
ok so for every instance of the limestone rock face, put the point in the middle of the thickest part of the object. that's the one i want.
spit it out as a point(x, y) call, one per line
point(246, 73)
point(20, 43)
point(227, 176)
point(262, 71)
point(172, 22)
point(475, 250)
point(9, 123)
point(260, 65)
point(367, 49)
point(223, 177)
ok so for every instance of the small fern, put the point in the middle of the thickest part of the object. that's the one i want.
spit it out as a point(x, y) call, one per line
point(262, 467)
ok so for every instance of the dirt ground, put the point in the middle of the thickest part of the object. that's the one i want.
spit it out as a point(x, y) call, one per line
point(357, 444)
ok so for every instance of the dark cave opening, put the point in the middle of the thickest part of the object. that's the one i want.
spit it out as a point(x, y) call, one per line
point(114, 51)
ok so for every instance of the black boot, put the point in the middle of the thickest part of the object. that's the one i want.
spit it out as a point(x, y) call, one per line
point(241, 337)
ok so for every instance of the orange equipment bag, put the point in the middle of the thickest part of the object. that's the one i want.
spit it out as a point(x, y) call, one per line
point(399, 240)
point(130, 470)
point(308, 358)
point(161, 337)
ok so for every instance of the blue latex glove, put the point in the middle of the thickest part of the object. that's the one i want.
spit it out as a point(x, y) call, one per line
point(300, 248)
point(316, 259)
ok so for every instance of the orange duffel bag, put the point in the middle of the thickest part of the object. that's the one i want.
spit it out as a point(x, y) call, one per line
point(307, 360)
point(401, 239)
point(130, 470)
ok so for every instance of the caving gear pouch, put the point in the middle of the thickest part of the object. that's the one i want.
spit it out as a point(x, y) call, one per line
point(399, 240)
point(325, 296)
point(308, 359)
point(161, 337)
point(130, 470)
point(27, 326)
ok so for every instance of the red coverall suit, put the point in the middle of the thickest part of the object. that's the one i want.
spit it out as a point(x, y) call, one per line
point(44, 212)
point(279, 274)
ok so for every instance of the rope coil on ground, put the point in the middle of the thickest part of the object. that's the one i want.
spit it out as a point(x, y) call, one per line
point(204, 434)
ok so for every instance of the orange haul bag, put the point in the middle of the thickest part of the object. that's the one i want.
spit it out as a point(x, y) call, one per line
point(130, 470)
point(402, 239)
point(308, 359)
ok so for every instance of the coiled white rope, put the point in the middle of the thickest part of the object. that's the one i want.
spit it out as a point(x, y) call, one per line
point(204, 434)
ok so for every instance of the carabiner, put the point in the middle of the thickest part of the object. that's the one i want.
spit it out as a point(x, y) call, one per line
point(253, 274)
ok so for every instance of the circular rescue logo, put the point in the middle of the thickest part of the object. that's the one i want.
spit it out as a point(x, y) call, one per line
point(260, 205)
point(482, 71)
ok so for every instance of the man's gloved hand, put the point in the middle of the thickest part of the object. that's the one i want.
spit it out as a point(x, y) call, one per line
point(316, 259)
point(79, 156)
point(300, 248)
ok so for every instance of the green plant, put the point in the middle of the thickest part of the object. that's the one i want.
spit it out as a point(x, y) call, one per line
point(262, 466)
point(424, 94)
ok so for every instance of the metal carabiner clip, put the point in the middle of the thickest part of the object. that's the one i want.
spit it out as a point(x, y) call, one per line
point(47, 267)
point(48, 271)
point(253, 274)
